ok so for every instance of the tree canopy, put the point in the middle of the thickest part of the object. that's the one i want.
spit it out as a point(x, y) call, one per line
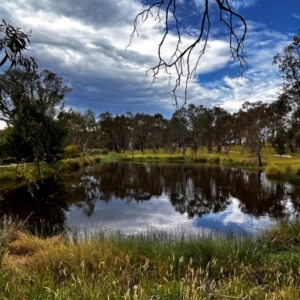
point(31, 103)
point(289, 65)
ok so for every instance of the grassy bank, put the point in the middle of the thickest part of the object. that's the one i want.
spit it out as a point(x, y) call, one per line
point(28, 172)
point(283, 167)
point(155, 265)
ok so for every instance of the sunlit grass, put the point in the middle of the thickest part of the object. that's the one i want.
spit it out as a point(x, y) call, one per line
point(153, 265)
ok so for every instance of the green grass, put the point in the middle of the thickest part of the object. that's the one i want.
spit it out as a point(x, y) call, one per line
point(153, 265)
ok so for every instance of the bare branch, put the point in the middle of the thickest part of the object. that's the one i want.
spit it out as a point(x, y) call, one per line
point(180, 60)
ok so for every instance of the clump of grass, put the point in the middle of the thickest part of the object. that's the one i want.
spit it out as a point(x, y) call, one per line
point(273, 170)
point(8, 174)
point(248, 162)
point(284, 236)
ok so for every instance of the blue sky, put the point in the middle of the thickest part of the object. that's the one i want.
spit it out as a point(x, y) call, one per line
point(84, 42)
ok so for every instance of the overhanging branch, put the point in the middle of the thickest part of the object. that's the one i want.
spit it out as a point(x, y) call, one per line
point(181, 59)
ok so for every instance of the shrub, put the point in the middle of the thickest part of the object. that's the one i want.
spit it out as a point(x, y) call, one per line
point(71, 151)
point(273, 170)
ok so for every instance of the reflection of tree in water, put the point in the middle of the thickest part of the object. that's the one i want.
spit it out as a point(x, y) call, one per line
point(257, 195)
point(44, 211)
point(127, 182)
point(194, 190)
point(198, 191)
point(84, 192)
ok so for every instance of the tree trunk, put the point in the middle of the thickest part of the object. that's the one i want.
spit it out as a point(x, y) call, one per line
point(258, 157)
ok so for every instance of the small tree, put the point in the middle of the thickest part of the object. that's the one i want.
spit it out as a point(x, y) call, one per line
point(31, 103)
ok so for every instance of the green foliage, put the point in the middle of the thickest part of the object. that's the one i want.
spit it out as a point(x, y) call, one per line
point(29, 103)
point(279, 144)
point(71, 151)
point(14, 42)
point(273, 170)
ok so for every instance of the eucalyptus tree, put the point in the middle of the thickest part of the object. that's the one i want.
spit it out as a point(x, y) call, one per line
point(157, 128)
point(292, 133)
point(279, 112)
point(142, 124)
point(31, 103)
point(222, 131)
point(180, 130)
point(116, 131)
point(194, 119)
point(207, 131)
point(253, 117)
point(289, 66)
point(83, 129)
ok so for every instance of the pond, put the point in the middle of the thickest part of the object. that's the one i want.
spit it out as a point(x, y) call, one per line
point(138, 197)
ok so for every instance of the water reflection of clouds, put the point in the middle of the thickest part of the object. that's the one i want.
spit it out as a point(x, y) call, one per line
point(130, 217)
point(160, 214)
point(233, 220)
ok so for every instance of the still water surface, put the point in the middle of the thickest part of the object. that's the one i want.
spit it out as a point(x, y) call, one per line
point(137, 197)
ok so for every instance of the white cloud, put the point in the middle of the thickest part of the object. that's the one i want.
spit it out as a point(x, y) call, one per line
point(238, 4)
point(296, 16)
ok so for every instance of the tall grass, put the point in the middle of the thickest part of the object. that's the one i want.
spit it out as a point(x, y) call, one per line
point(152, 265)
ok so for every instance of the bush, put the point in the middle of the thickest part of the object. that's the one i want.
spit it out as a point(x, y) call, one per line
point(71, 151)
point(273, 170)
